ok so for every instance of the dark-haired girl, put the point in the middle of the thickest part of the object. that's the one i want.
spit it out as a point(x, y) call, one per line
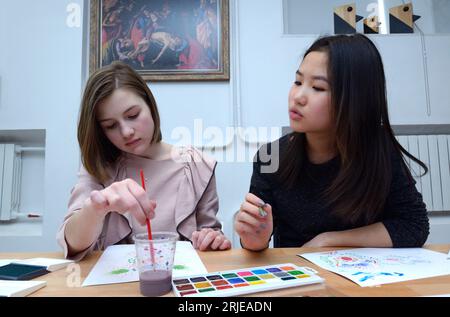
point(342, 178)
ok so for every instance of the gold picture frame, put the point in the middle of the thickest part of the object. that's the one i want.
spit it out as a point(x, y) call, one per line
point(163, 40)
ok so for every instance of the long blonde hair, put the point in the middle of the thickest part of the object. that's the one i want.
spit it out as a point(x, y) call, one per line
point(97, 152)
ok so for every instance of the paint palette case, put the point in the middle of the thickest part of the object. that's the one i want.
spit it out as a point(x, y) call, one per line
point(245, 281)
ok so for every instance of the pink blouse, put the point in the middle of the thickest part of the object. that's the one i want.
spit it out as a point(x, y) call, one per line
point(184, 189)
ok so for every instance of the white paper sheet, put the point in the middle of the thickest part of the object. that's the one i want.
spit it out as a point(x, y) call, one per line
point(7, 261)
point(187, 261)
point(20, 288)
point(118, 264)
point(51, 264)
point(375, 266)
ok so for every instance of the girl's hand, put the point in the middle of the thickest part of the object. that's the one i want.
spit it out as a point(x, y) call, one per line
point(122, 197)
point(254, 223)
point(209, 239)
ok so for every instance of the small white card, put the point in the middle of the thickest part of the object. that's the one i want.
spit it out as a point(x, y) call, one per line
point(50, 263)
point(19, 288)
point(7, 261)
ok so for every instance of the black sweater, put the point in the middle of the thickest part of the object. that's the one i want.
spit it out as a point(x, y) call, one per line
point(300, 213)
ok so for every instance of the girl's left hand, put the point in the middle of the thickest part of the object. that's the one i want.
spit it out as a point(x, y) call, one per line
point(209, 239)
point(321, 240)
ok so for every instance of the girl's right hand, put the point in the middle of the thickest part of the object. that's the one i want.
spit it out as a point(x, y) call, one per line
point(254, 223)
point(124, 196)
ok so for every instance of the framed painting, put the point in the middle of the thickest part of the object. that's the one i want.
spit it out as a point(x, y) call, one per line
point(163, 40)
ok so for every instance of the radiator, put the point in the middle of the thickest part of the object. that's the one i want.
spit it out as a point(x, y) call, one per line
point(10, 181)
point(434, 151)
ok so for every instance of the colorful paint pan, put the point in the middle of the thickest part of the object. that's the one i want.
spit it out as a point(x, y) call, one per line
point(244, 281)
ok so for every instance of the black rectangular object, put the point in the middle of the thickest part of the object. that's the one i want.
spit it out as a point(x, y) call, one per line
point(22, 272)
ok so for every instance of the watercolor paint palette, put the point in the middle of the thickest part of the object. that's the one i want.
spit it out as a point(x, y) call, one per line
point(244, 281)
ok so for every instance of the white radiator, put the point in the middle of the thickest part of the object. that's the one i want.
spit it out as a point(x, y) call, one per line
point(434, 151)
point(10, 181)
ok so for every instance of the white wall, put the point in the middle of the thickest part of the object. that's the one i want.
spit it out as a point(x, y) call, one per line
point(441, 9)
point(45, 93)
point(40, 68)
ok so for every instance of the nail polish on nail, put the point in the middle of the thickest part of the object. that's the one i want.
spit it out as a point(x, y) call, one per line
point(262, 212)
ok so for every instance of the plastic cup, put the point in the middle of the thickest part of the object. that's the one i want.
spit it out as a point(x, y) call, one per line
point(155, 261)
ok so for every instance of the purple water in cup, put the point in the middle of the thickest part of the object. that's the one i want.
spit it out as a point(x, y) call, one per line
point(154, 260)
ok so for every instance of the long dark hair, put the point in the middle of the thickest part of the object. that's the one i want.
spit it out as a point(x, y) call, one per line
point(364, 137)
